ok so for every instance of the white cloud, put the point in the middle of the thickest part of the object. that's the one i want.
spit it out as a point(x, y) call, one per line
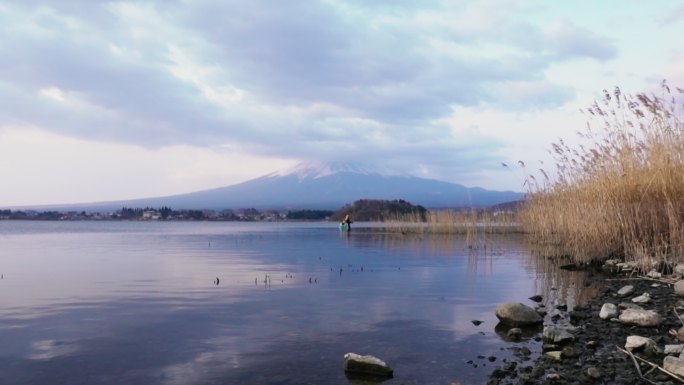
point(45, 168)
point(312, 80)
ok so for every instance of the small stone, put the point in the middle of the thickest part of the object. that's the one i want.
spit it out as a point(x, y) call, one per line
point(554, 355)
point(568, 352)
point(679, 269)
point(608, 311)
point(557, 335)
point(594, 373)
point(654, 274)
point(674, 349)
point(549, 347)
point(537, 298)
point(637, 342)
point(629, 305)
point(674, 365)
point(647, 345)
point(553, 377)
point(644, 298)
point(510, 366)
point(476, 322)
point(680, 334)
point(514, 333)
point(625, 291)
point(679, 288)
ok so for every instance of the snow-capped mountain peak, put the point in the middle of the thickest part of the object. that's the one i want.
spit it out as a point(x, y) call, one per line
point(317, 169)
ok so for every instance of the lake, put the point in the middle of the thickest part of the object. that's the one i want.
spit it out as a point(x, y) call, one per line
point(139, 302)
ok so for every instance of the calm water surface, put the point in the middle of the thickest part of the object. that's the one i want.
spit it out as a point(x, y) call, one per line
point(138, 303)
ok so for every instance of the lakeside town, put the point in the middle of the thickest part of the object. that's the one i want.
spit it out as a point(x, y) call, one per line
point(168, 214)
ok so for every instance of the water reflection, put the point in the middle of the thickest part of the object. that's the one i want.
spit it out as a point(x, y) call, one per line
point(183, 303)
point(557, 286)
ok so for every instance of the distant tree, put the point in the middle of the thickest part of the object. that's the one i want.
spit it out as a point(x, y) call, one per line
point(378, 210)
point(165, 212)
point(308, 214)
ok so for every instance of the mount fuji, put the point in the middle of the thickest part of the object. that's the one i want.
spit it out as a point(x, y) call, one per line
point(320, 185)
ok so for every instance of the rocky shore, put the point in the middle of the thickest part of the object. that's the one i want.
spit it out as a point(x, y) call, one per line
point(607, 340)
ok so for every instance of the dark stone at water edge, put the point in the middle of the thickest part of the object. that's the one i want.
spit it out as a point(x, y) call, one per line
point(517, 314)
point(476, 322)
point(536, 298)
point(371, 366)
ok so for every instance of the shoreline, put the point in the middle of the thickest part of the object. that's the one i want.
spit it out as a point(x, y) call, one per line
point(593, 357)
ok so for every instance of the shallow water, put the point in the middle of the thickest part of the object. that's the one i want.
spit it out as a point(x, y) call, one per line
point(138, 303)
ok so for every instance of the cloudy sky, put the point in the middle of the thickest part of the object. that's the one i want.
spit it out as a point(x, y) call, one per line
point(106, 100)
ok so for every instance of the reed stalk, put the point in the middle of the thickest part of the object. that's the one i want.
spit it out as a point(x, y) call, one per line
point(621, 192)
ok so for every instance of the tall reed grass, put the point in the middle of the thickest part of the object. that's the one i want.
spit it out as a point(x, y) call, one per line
point(476, 227)
point(621, 193)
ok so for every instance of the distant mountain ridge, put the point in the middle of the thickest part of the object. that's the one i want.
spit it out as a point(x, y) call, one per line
point(321, 185)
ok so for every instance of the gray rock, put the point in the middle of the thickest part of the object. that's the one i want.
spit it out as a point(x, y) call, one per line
point(674, 349)
point(627, 266)
point(366, 365)
point(517, 314)
point(569, 352)
point(514, 333)
point(629, 305)
point(541, 310)
point(537, 298)
point(638, 342)
point(557, 335)
point(593, 372)
point(608, 311)
point(625, 291)
point(679, 269)
point(654, 274)
point(674, 365)
point(679, 334)
point(645, 318)
point(644, 298)
point(679, 288)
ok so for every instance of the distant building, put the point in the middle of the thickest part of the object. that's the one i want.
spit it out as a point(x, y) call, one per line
point(151, 215)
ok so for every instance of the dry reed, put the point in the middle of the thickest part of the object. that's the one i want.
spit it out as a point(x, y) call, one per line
point(621, 194)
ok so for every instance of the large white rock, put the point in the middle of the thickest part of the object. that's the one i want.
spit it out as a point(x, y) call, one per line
point(645, 318)
point(674, 365)
point(679, 288)
point(674, 349)
point(517, 314)
point(366, 365)
point(625, 291)
point(608, 311)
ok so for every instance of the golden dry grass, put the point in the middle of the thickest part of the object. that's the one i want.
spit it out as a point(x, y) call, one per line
point(621, 194)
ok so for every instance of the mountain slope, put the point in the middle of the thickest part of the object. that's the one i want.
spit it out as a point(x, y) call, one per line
point(321, 186)
point(329, 186)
